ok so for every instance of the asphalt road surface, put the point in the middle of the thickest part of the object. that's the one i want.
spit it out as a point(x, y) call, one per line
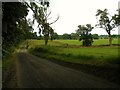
point(35, 72)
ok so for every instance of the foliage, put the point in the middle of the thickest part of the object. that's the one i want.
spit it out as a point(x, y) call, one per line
point(95, 36)
point(41, 16)
point(104, 36)
point(66, 36)
point(15, 27)
point(83, 31)
point(115, 36)
point(116, 18)
point(74, 36)
point(107, 22)
point(13, 15)
point(54, 36)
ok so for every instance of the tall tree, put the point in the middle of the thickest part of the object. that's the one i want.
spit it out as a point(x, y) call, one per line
point(85, 36)
point(41, 15)
point(14, 14)
point(107, 22)
point(15, 27)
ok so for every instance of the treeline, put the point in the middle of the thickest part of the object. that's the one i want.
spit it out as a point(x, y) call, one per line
point(107, 37)
point(15, 26)
point(75, 36)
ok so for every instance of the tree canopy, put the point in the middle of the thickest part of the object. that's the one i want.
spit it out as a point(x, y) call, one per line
point(15, 27)
point(107, 22)
point(85, 35)
point(41, 16)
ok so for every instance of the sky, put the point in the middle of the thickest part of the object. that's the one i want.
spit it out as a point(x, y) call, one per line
point(78, 12)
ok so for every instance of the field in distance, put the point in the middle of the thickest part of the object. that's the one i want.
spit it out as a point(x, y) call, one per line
point(72, 51)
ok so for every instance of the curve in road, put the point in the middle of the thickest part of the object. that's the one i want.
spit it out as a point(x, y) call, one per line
point(36, 72)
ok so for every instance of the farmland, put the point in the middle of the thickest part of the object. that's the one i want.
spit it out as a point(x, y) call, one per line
point(73, 42)
point(96, 42)
point(72, 51)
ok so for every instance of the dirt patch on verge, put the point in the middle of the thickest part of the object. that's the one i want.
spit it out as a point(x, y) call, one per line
point(9, 75)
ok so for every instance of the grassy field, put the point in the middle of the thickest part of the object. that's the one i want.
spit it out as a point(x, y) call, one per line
point(71, 51)
point(96, 42)
point(73, 42)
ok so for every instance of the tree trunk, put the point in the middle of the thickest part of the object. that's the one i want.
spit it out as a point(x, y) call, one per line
point(51, 38)
point(46, 40)
point(110, 40)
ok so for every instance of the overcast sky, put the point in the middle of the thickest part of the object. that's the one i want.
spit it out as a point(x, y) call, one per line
point(79, 12)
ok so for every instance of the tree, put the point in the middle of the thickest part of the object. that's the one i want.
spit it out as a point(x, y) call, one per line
point(41, 16)
point(85, 36)
point(15, 27)
point(107, 22)
point(66, 36)
point(54, 36)
point(116, 18)
point(74, 36)
point(95, 36)
point(60, 36)
point(14, 14)
point(104, 36)
point(115, 36)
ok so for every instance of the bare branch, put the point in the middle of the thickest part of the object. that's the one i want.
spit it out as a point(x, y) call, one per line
point(55, 20)
point(48, 14)
point(29, 6)
point(49, 18)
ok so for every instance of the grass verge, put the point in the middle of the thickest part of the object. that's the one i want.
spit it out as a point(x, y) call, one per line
point(9, 67)
point(9, 72)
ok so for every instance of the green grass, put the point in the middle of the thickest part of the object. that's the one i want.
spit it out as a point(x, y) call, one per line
point(96, 42)
point(7, 62)
point(33, 43)
point(70, 42)
point(100, 55)
point(8, 55)
point(104, 42)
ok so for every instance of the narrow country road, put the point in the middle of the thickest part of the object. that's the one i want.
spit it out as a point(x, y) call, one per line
point(35, 72)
